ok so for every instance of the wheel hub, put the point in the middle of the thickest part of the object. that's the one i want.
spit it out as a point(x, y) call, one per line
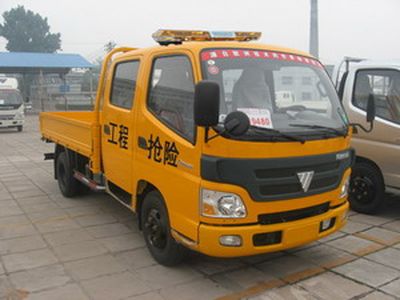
point(156, 229)
point(362, 190)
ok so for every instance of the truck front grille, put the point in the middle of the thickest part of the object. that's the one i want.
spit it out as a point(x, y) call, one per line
point(285, 180)
point(273, 179)
point(6, 117)
point(293, 215)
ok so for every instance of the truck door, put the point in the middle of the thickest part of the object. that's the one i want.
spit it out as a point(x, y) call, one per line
point(118, 118)
point(168, 155)
point(382, 145)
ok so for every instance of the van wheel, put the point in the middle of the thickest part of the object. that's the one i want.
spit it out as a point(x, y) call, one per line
point(366, 193)
point(19, 128)
point(66, 182)
point(157, 231)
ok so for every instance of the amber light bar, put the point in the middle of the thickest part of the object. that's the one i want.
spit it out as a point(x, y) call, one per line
point(165, 36)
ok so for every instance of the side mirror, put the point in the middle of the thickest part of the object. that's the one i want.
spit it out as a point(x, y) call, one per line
point(206, 103)
point(371, 110)
point(371, 113)
point(237, 123)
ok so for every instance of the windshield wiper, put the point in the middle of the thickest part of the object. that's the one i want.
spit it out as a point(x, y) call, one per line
point(326, 128)
point(279, 133)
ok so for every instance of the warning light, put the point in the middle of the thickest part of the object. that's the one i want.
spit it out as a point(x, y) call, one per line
point(165, 36)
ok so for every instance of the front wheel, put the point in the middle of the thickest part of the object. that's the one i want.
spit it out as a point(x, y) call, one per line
point(157, 231)
point(19, 128)
point(367, 188)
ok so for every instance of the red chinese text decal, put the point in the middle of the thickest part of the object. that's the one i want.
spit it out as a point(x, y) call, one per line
point(242, 53)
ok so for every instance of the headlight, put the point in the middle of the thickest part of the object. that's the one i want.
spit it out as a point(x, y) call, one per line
point(221, 205)
point(345, 188)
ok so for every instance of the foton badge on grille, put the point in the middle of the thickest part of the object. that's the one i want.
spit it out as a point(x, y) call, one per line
point(305, 179)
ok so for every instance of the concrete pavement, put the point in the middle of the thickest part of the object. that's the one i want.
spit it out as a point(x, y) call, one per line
point(90, 248)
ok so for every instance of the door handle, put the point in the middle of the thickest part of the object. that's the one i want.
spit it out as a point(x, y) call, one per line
point(106, 129)
point(142, 142)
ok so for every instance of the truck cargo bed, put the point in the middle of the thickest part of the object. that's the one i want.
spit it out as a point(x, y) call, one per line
point(70, 129)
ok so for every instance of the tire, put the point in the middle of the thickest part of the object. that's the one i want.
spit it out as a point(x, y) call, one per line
point(367, 188)
point(68, 185)
point(19, 128)
point(157, 231)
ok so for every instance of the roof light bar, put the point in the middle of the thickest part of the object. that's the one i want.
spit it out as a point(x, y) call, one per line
point(165, 36)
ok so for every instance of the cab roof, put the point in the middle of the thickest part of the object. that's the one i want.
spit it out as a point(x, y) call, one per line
point(196, 47)
point(372, 63)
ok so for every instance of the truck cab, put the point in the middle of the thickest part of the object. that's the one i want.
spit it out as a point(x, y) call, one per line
point(11, 104)
point(193, 137)
point(377, 164)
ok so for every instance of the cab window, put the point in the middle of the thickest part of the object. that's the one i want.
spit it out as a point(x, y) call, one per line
point(385, 86)
point(124, 83)
point(171, 94)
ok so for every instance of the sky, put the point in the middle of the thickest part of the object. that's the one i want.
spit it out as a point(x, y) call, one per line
point(361, 28)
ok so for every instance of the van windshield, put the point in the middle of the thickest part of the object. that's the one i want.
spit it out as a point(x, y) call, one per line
point(282, 92)
point(10, 99)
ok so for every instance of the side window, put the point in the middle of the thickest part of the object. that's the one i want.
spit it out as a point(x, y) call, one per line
point(385, 86)
point(171, 95)
point(124, 84)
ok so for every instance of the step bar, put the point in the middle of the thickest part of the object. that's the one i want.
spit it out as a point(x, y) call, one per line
point(93, 185)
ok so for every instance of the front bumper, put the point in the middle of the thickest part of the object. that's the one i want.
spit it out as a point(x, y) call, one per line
point(293, 234)
point(11, 123)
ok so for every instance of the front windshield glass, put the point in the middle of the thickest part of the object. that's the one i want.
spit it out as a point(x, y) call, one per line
point(283, 92)
point(10, 98)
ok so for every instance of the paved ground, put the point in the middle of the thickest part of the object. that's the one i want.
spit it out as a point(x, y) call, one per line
point(90, 248)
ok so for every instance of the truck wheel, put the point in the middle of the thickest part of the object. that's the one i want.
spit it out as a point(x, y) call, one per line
point(157, 232)
point(67, 183)
point(366, 193)
point(19, 128)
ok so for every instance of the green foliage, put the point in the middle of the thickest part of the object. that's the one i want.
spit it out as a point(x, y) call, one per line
point(26, 31)
point(109, 46)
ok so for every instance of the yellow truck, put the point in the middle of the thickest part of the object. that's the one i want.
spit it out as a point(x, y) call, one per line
point(192, 136)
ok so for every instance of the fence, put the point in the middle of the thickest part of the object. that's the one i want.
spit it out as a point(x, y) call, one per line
point(63, 101)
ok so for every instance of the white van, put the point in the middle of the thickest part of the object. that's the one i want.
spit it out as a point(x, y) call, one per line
point(11, 104)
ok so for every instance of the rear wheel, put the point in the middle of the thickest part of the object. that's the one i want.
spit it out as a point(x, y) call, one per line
point(366, 194)
point(67, 183)
point(157, 231)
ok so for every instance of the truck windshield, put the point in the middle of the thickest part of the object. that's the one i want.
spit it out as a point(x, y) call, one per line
point(10, 99)
point(288, 93)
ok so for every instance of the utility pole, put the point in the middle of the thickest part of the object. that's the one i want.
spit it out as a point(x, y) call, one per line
point(314, 47)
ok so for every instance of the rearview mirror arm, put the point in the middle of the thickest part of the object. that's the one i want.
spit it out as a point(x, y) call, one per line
point(208, 138)
point(357, 125)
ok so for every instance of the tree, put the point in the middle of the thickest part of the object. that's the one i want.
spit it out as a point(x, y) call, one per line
point(109, 46)
point(27, 31)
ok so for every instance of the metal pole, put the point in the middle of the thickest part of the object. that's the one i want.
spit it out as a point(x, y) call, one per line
point(314, 43)
point(40, 89)
point(91, 87)
point(65, 91)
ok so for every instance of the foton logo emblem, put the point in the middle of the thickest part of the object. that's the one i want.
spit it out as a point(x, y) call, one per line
point(305, 179)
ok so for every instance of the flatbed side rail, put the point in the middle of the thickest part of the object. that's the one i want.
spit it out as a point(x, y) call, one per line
point(72, 133)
